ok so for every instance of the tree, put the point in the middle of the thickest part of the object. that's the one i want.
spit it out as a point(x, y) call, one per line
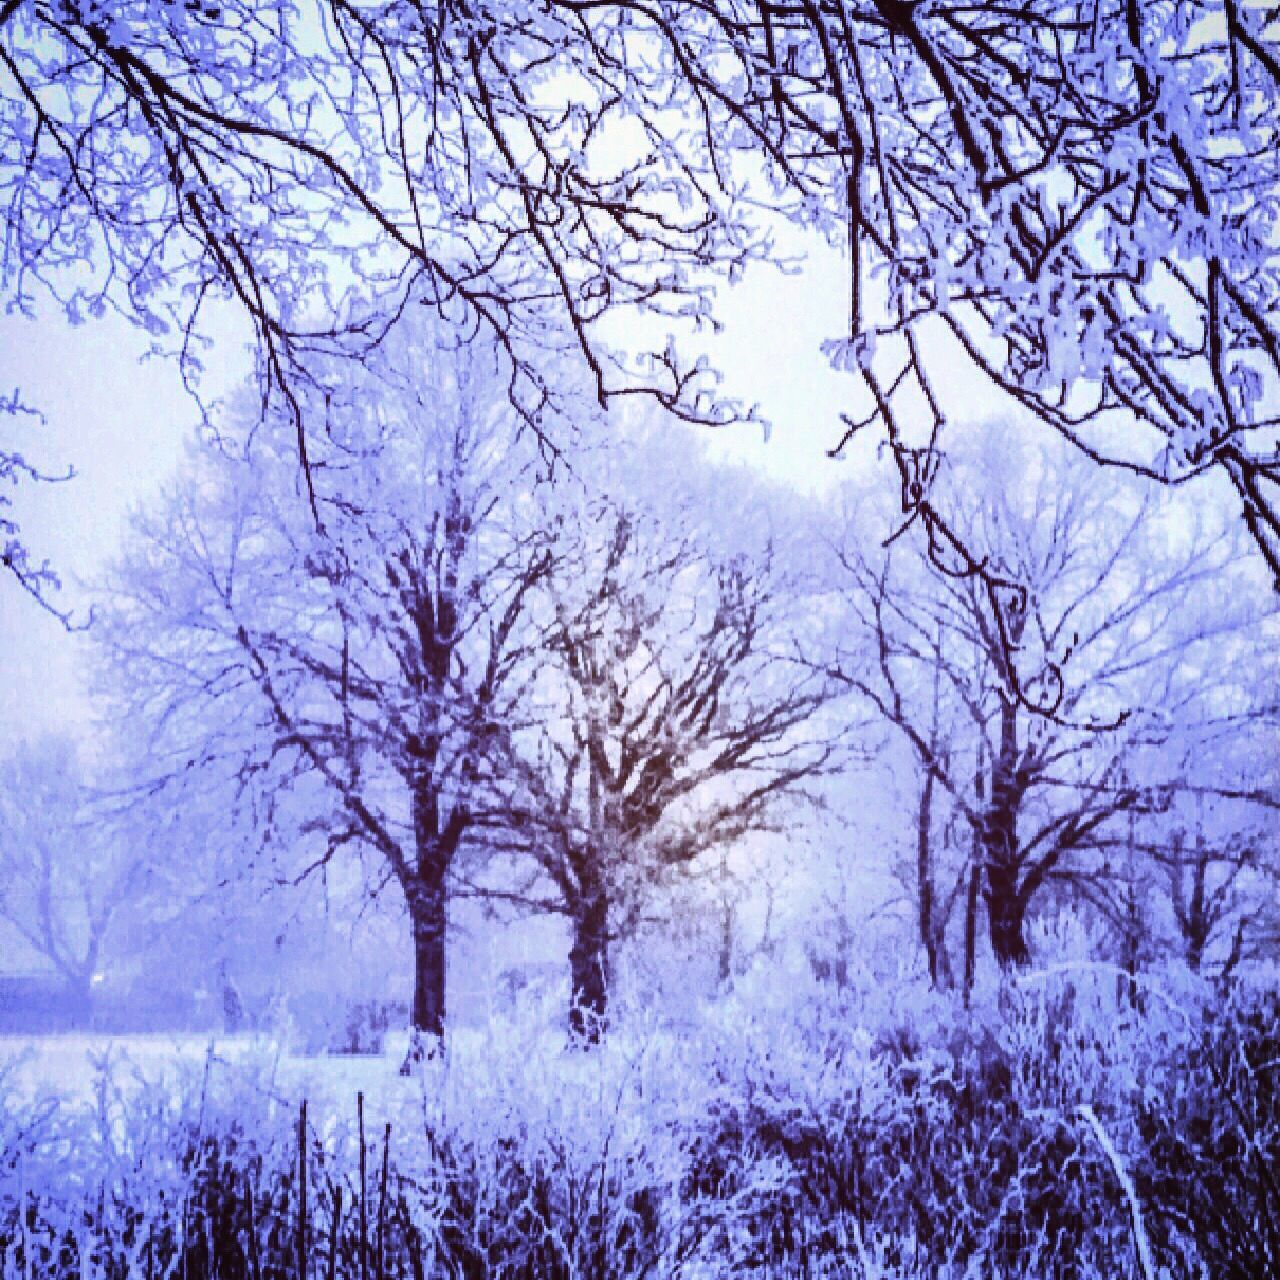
point(671, 721)
point(1210, 854)
point(1208, 889)
point(351, 683)
point(1040, 794)
point(68, 872)
point(1077, 192)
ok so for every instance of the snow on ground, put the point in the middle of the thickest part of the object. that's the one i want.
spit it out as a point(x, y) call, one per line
point(69, 1065)
point(493, 1070)
point(78, 1070)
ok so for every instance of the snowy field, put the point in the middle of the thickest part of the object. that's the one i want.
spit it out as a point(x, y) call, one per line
point(71, 1066)
point(505, 1075)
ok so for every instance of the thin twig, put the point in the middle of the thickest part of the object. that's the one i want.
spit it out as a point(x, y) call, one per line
point(364, 1210)
point(382, 1201)
point(1140, 1242)
point(302, 1190)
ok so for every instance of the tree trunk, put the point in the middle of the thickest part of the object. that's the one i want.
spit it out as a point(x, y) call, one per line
point(1197, 940)
point(589, 967)
point(1006, 915)
point(1198, 925)
point(232, 1005)
point(725, 958)
point(974, 888)
point(971, 930)
point(428, 913)
point(925, 889)
point(1006, 906)
point(427, 899)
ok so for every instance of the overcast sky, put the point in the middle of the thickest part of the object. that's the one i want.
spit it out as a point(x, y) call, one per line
point(120, 421)
point(120, 424)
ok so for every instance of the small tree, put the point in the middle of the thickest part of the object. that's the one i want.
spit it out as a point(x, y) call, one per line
point(1211, 855)
point(1205, 890)
point(672, 721)
point(68, 871)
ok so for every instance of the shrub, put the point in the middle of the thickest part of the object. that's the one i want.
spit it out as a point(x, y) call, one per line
point(1211, 1133)
point(776, 1143)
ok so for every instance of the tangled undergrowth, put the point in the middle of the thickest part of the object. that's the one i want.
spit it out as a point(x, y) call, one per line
point(1066, 1129)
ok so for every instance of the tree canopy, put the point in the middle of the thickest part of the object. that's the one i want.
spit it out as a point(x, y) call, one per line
point(1076, 197)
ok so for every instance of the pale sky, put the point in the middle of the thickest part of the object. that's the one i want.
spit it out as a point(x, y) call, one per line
point(121, 422)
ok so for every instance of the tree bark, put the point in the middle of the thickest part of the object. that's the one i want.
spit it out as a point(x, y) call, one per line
point(971, 931)
point(973, 891)
point(724, 969)
point(429, 963)
point(1198, 924)
point(725, 958)
point(1006, 905)
point(427, 899)
point(1006, 915)
point(589, 967)
point(925, 890)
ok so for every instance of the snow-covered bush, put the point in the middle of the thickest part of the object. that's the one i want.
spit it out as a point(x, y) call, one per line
point(1015, 1138)
point(1210, 1129)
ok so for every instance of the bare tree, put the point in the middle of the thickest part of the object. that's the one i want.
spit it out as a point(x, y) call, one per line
point(1205, 889)
point(352, 683)
point(1210, 856)
point(673, 721)
point(68, 872)
point(1040, 794)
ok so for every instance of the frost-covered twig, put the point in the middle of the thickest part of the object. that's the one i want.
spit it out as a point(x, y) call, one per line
point(1140, 1242)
